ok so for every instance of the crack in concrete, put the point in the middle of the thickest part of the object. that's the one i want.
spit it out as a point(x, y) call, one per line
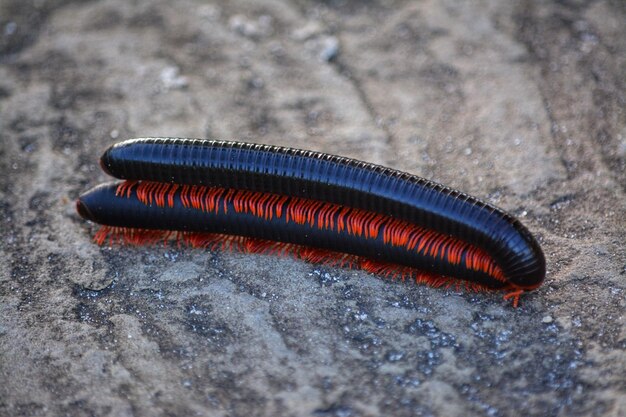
point(347, 73)
point(343, 70)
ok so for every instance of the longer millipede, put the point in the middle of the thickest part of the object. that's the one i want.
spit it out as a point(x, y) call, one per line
point(298, 197)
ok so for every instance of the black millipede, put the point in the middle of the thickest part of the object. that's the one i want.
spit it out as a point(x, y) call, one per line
point(308, 203)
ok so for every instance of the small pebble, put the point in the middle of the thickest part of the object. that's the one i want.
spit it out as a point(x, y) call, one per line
point(171, 78)
point(330, 48)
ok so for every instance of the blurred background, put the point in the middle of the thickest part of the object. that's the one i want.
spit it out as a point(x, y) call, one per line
point(519, 103)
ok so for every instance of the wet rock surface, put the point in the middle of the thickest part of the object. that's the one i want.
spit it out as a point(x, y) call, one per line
point(521, 104)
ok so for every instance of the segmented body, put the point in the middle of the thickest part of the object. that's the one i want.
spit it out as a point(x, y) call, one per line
point(257, 191)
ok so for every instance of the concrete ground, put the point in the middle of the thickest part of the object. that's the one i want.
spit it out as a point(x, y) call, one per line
point(520, 103)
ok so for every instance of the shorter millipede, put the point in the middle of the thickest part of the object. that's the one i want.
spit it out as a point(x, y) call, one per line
point(318, 207)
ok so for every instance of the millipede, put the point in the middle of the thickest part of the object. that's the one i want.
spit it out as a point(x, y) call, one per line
point(315, 206)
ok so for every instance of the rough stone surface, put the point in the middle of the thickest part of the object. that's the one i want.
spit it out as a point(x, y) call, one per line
point(520, 103)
